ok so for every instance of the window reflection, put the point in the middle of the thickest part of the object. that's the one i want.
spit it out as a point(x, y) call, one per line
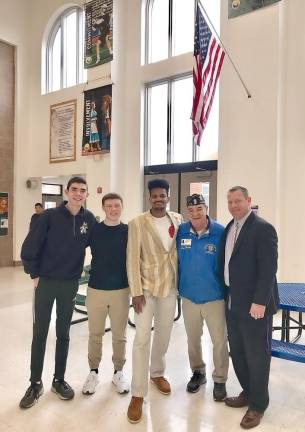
point(182, 126)
point(159, 30)
point(183, 26)
point(158, 124)
point(56, 55)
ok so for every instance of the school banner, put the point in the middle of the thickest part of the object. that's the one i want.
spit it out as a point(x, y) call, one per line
point(3, 213)
point(98, 33)
point(97, 121)
point(240, 7)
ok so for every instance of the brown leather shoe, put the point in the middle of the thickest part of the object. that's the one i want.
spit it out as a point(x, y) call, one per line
point(162, 385)
point(238, 401)
point(134, 413)
point(251, 419)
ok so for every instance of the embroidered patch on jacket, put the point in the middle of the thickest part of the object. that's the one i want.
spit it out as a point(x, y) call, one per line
point(210, 248)
point(84, 228)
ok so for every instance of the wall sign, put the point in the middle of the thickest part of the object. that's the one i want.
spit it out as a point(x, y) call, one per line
point(63, 132)
point(240, 7)
point(98, 33)
point(97, 121)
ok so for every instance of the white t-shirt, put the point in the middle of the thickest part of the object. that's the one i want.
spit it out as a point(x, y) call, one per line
point(165, 230)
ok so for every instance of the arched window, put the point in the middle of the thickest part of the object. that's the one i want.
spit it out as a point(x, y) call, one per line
point(169, 28)
point(65, 51)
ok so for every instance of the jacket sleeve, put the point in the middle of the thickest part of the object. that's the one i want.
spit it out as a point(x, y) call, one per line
point(133, 259)
point(92, 226)
point(33, 245)
point(267, 255)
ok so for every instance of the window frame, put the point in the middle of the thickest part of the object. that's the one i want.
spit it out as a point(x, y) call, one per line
point(170, 145)
point(60, 24)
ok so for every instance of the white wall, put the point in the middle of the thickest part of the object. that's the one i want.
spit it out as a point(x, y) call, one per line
point(248, 127)
point(292, 143)
point(262, 139)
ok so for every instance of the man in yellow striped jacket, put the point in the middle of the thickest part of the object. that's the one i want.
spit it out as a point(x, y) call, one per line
point(152, 277)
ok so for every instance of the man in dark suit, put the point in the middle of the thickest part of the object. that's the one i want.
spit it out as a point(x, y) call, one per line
point(248, 262)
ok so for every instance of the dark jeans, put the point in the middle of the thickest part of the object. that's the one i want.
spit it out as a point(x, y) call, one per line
point(47, 291)
point(250, 349)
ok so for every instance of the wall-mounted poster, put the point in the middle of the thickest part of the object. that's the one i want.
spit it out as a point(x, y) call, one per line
point(240, 7)
point(98, 32)
point(97, 121)
point(63, 132)
point(3, 213)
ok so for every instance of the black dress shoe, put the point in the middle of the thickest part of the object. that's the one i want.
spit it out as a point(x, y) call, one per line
point(251, 419)
point(238, 401)
point(196, 381)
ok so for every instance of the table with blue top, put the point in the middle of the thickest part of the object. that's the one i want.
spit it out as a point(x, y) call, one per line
point(292, 299)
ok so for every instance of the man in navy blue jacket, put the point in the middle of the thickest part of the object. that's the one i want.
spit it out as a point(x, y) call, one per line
point(202, 294)
point(53, 254)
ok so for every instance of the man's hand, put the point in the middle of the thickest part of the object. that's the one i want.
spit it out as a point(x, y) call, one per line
point(257, 311)
point(138, 302)
point(36, 282)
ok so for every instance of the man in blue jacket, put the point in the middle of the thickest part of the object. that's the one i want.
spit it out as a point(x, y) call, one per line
point(202, 295)
point(53, 254)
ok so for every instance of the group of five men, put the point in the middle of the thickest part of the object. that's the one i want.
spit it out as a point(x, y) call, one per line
point(224, 276)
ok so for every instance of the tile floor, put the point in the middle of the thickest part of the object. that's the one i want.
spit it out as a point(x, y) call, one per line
point(105, 411)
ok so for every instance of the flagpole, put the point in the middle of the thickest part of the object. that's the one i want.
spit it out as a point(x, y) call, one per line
point(199, 4)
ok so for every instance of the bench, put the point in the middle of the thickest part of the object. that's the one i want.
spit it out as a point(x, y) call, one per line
point(288, 351)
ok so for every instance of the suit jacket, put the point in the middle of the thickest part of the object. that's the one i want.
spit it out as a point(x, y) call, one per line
point(252, 267)
point(149, 265)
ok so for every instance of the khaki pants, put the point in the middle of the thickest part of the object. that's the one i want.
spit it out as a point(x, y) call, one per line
point(214, 314)
point(163, 312)
point(101, 303)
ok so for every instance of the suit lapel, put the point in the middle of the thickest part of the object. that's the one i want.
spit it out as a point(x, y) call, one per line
point(150, 226)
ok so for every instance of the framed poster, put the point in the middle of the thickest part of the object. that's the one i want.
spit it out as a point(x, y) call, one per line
point(3, 213)
point(240, 7)
point(97, 121)
point(63, 132)
point(98, 32)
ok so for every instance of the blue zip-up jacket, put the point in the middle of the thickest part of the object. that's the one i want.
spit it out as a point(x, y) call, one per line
point(198, 263)
point(55, 247)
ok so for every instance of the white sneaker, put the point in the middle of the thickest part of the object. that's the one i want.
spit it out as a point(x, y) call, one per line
point(90, 383)
point(118, 379)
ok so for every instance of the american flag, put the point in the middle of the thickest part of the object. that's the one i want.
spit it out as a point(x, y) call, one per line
point(208, 59)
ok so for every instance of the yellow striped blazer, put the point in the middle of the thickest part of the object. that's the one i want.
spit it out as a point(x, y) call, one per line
point(149, 265)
